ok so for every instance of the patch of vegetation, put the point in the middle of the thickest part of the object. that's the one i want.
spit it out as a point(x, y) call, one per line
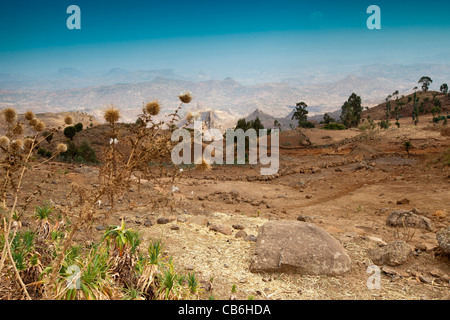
point(83, 154)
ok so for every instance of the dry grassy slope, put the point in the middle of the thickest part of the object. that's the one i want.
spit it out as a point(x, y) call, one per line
point(378, 112)
point(53, 120)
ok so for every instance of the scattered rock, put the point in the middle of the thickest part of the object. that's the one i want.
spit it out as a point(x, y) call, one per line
point(238, 226)
point(162, 220)
point(241, 234)
point(226, 230)
point(393, 254)
point(338, 170)
point(175, 227)
point(403, 201)
point(404, 218)
point(148, 223)
point(304, 218)
point(298, 247)
point(100, 227)
point(443, 238)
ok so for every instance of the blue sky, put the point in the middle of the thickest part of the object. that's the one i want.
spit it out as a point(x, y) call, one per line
point(218, 36)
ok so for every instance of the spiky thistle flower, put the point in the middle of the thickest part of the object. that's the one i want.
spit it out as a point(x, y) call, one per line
point(33, 122)
point(190, 117)
point(153, 108)
point(61, 148)
point(111, 115)
point(68, 120)
point(4, 141)
point(29, 115)
point(10, 115)
point(18, 129)
point(39, 126)
point(17, 145)
point(28, 143)
point(204, 166)
point(185, 97)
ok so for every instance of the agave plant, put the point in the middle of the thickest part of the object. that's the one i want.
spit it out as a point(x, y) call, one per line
point(85, 277)
point(43, 213)
point(122, 237)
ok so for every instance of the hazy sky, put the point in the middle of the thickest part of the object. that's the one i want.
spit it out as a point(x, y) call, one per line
point(220, 37)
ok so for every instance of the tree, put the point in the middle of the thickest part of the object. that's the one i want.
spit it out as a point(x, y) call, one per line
point(327, 119)
point(426, 81)
point(407, 146)
point(300, 113)
point(79, 127)
point(444, 88)
point(70, 132)
point(351, 111)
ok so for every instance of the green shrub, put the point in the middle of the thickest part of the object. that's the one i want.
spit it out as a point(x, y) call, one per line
point(307, 125)
point(384, 124)
point(70, 132)
point(78, 127)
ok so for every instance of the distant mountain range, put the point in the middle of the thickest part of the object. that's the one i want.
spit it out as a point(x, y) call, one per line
point(72, 90)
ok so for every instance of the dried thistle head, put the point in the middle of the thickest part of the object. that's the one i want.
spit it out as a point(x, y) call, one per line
point(153, 108)
point(28, 143)
point(61, 148)
point(190, 117)
point(18, 129)
point(68, 120)
point(17, 145)
point(40, 126)
point(4, 141)
point(111, 115)
point(33, 122)
point(204, 166)
point(185, 97)
point(29, 115)
point(10, 115)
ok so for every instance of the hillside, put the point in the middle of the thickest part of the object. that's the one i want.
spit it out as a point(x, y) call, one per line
point(378, 112)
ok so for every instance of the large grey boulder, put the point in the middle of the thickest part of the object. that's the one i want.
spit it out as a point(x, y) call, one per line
point(412, 219)
point(298, 247)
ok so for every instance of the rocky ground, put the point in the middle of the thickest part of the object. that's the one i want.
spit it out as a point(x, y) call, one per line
point(349, 189)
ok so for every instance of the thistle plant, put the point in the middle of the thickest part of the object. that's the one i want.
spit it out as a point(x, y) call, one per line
point(16, 152)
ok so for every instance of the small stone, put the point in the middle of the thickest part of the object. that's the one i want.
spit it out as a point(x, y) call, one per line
point(238, 226)
point(226, 230)
point(175, 227)
point(226, 265)
point(100, 227)
point(241, 234)
point(403, 201)
point(148, 223)
point(304, 218)
point(162, 220)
